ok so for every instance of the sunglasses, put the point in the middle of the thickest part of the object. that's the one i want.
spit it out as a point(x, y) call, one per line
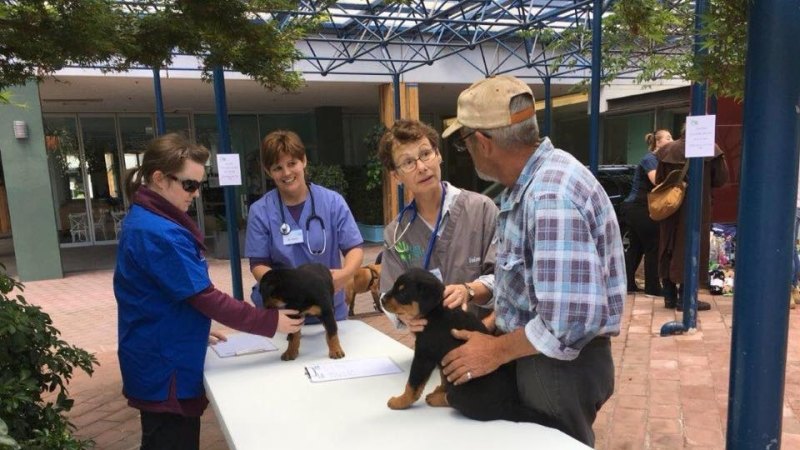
point(190, 186)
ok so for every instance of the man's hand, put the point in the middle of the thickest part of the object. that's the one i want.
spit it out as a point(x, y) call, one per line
point(489, 322)
point(477, 357)
point(287, 324)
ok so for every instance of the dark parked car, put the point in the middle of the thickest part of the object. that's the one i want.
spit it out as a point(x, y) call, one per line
point(616, 180)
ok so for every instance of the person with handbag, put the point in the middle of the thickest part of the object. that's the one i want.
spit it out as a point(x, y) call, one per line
point(672, 230)
point(643, 230)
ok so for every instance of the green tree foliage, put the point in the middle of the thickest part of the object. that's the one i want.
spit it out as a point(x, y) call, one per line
point(654, 39)
point(39, 37)
point(35, 367)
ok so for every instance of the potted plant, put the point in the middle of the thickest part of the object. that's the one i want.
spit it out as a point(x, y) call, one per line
point(366, 181)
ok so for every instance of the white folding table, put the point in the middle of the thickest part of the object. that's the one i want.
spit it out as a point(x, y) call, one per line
point(262, 402)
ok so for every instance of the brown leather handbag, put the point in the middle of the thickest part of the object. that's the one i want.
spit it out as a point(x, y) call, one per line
point(667, 196)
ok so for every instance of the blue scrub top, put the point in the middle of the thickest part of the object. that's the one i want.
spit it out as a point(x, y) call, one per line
point(159, 267)
point(265, 241)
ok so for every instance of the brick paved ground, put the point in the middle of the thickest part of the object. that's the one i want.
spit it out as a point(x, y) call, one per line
point(671, 392)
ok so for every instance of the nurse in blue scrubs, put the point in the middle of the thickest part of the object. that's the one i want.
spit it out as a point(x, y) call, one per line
point(300, 222)
point(165, 299)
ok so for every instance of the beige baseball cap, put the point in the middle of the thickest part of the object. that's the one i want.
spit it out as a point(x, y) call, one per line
point(485, 104)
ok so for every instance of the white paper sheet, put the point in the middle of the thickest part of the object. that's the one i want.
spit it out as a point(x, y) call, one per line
point(700, 132)
point(354, 368)
point(243, 344)
point(230, 174)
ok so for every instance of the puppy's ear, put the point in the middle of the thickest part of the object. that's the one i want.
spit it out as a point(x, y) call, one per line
point(267, 285)
point(430, 292)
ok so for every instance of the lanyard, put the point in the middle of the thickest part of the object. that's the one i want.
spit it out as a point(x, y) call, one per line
point(432, 240)
point(399, 247)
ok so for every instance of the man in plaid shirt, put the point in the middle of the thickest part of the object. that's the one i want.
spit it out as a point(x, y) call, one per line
point(560, 272)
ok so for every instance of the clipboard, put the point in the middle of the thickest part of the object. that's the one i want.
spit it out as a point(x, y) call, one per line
point(353, 368)
point(243, 344)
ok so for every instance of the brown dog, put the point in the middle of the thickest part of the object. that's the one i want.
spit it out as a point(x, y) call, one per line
point(366, 278)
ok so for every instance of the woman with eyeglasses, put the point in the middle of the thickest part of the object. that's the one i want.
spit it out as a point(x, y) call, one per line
point(445, 230)
point(300, 222)
point(166, 300)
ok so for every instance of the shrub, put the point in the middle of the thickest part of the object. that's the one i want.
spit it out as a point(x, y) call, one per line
point(366, 182)
point(366, 204)
point(329, 176)
point(35, 367)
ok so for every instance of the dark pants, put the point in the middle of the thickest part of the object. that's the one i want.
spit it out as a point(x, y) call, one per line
point(569, 393)
point(643, 238)
point(165, 431)
point(672, 293)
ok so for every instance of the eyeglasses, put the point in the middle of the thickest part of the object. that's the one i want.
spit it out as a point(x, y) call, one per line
point(190, 186)
point(460, 142)
point(408, 165)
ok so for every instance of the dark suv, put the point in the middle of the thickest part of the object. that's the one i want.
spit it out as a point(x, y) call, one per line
point(616, 179)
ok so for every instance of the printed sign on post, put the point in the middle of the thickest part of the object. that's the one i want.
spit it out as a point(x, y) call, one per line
point(229, 172)
point(700, 135)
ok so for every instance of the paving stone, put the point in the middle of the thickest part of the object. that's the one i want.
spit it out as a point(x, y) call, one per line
point(671, 392)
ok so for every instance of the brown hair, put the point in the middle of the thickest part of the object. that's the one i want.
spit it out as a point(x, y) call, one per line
point(281, 142)
point(403, 132)
point(166, 153)
point(651, 138)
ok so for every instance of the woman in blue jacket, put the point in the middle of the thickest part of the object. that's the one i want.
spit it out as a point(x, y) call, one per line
point(166, 300)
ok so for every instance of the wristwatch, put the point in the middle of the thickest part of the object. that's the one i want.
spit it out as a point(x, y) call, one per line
point(470, 293)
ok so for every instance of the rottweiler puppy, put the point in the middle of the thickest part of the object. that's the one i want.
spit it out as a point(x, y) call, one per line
point(418, 293)
point(308, 289)
point(366, 278)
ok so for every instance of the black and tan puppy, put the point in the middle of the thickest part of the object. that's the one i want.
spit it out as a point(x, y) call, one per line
point(308, 289)
point(417, 293)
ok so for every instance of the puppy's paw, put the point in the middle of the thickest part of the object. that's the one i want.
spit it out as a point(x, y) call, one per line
point(437, 398)
point(398, 403)
point(334, 347)
point(289, 355)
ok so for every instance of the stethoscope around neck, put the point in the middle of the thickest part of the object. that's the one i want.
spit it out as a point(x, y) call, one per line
point(285, 229)
point(431, 242)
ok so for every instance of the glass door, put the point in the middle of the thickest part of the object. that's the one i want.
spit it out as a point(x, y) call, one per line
point(205, 126)
point(67, 180)
point(102, 176)
point(181, 124)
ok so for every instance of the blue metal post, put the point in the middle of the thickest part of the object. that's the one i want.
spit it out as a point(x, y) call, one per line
point(594, 121)
point(230, 191)
point(765, 226)
point(161, 122)
point(401, 195)
point(548, 109)
point(693, 201)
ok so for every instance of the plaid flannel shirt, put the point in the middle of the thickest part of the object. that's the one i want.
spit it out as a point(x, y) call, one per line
point(560, 270)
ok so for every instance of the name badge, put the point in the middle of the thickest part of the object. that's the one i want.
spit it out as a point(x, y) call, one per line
point(437, 273)
point(294, 237)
